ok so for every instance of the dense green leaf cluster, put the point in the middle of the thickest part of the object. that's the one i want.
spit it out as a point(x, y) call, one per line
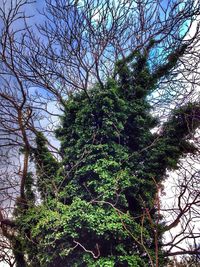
point(98, 203)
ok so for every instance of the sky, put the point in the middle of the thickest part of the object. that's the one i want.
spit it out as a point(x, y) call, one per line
point(30, 9)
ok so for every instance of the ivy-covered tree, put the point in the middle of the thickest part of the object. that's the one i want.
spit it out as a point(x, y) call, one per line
point(98, 204)
point(95, 199)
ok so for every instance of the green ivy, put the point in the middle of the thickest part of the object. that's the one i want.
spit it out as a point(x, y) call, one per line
point(93, 201)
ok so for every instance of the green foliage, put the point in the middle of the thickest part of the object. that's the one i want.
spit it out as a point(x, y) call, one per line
point(56, 227)
point(95, 201)
point(46, 166)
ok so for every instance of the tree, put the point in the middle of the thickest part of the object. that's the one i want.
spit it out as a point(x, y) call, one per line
point(99, 200)
point(192, 261)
